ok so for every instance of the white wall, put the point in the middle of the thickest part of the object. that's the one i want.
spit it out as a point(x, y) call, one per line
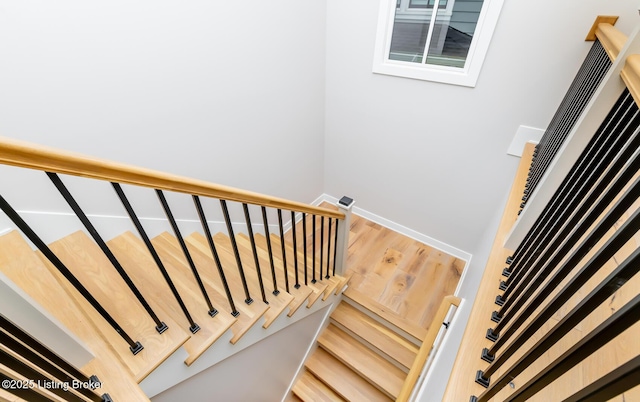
point(261, 372)
point(432, 156)
point(229, 92)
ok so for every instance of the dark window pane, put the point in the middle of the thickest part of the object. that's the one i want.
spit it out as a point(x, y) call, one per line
point(452, 35)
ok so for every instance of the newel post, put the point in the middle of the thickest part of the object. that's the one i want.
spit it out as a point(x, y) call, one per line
point(342, 242)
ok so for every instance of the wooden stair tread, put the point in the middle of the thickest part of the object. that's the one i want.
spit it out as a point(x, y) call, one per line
point(334, 281)
point(92, 268)
point(136, 259)
point(26, 270)
point(344, 282)
point(201, 254)
point(344, 381)
point(310, 389)
point(277, 304)
point(372, 367)
point(376, 334)
point(301, 294)
point(385, 313)
point(317, 288)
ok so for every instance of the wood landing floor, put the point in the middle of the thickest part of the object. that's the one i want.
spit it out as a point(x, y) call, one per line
point(400, 275)
point(406, 276)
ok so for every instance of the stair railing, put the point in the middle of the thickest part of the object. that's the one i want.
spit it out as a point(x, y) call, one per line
point(55, 162)
point(427, 347)
point(577, 257)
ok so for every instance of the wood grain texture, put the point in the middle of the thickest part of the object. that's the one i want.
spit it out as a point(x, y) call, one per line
point(277, 303)
point(309, 389)
point(405, 280)
point(200, 252)
point(630, 74)
point(92, 268)
point(369, 365)
point(601, 19)
point(461, 382)
point(385, 313)
point(427, 347)
point(26, 270)
point(317, 288)
point(376, 334)
point(301, 294)
point(344, 381)
point(136, 259)
point(611, 38)
point(31, 156)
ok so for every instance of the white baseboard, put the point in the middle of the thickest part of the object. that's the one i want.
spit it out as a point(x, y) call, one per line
point(396, 227)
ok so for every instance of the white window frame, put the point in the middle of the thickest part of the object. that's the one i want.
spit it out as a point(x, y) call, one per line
point(465, 76)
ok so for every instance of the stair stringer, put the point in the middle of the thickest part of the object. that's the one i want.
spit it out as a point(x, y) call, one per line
point(173, 371)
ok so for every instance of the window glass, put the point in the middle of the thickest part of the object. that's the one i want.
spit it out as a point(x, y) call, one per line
point(435, 39)
point(453, 21)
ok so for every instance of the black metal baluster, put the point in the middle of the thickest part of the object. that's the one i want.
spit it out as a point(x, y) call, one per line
point(321, 243)
point(313, 270)
point(594, 340)
point(295, 248)
point(620, 237)
point(304, 245)
point(581, 177)
point(214, 252)
point(160, 326)
point(592, 207)
point(614, 281)
point(284, 252)
point(603, 334)
point(152, 251)
point(21, 343)
point(328, 248)
point(265, 222)
point(134, 346)
point(236, 253)
point(335, 247)
point(174, 225)
point(247, 218)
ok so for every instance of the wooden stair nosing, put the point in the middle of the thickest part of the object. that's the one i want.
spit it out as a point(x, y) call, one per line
point(417, 332)
point(334, 281)
point(300, 294)
point(277, 303)
point(310, 389)
point(378, 371)
point(376, 334)
point(134, 256)
point(343, 283)
point(319, 287)
point(249, 313)
point(26, 270)
point(92, 268)
point(341, 379)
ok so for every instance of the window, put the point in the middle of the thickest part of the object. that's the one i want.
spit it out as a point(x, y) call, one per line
point(435, 40)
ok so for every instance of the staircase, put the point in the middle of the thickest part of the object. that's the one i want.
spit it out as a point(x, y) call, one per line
point(118, 369)
point(154, 309)
point(140, 302)
point(359, 358)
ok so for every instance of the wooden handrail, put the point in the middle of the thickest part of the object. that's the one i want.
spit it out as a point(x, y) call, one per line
point(30, 156)
point(631, 76)
point(611, 39)
point(427, 346)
